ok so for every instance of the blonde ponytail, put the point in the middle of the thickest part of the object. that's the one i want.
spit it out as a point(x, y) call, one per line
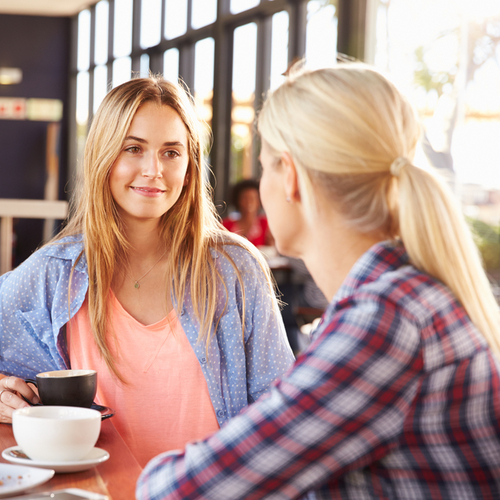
point(352, 134)
point(438, 242)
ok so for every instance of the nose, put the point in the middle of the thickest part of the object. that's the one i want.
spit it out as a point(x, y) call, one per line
point(152, 168)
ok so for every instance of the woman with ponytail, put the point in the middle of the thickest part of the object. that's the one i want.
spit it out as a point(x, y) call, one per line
point(398, 394)
point(144, 285)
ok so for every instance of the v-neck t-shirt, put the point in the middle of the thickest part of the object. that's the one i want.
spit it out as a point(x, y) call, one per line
point(166, 402)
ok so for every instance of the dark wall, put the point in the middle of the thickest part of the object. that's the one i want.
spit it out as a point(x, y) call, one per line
point(40, 46)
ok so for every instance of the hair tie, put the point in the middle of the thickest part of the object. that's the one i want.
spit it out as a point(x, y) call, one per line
point(397, 165)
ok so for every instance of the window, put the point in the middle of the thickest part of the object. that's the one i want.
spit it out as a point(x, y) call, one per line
point(243, 106)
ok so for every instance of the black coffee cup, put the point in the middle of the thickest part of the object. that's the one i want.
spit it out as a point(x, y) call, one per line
point(66, 387)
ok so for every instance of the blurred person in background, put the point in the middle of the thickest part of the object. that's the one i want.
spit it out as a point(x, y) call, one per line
point(248, 220)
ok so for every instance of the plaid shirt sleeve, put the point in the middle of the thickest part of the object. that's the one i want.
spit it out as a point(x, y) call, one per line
point(339, 408)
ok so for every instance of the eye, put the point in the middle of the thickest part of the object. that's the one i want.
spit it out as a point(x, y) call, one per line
point(133, 149)
point(172, 154)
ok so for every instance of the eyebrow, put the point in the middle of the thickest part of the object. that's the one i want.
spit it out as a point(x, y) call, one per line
point(143, 141)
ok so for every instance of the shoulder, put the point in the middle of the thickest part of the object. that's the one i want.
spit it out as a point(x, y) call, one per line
point(412, 292)
point(68, 248)
point(238, 253)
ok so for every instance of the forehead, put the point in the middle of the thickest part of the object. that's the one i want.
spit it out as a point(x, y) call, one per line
point(158, 119)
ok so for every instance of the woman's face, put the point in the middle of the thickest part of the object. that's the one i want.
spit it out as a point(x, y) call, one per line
point(148, 176)
point(249, 201)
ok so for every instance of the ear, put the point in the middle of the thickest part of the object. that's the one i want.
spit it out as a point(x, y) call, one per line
point(291, 178)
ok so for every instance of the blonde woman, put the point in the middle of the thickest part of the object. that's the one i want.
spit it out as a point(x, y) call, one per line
point(144, 285)
point(398, 395)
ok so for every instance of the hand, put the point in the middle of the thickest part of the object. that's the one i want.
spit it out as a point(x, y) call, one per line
point(11, 389)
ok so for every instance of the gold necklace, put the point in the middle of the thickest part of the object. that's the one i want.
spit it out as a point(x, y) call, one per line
point(136, 282)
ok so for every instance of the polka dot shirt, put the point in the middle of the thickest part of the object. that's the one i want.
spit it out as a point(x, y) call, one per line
point(239, 365)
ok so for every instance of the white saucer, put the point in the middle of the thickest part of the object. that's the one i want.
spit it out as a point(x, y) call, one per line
point(17, 478)
point(95, 457)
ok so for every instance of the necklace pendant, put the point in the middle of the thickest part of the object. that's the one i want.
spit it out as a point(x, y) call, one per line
point(136, 285)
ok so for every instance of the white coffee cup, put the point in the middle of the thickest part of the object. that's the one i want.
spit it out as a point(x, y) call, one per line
point(56, 433)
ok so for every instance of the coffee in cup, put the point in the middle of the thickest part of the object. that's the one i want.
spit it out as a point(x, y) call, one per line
point(56, 433)
point(66, 387)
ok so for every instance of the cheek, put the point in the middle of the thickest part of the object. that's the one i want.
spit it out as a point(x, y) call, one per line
point(269, 190)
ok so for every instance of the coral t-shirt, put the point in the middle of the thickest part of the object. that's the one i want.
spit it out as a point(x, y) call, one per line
point(166, 402)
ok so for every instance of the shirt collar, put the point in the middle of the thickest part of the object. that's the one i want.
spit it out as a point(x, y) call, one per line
point(382, 257)
point(69, 248)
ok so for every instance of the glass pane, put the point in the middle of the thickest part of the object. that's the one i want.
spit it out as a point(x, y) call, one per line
point(144, 71)
point(244, 70)
point(82, 98)
point(204, 81)
point(82, 114)
point(171, 65)
point(204, 12)
point(122, 70)
point(175, 18)
point(321, 34)
point(100, 85)
point(83, 58)
point(101, 32)
point(122, 42)
point(279, 48)
point(150, 23)
point(241, 5)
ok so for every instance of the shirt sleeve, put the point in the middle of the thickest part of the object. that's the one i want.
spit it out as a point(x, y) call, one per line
point(340, 408)
point(268, 352)
point(27, 344)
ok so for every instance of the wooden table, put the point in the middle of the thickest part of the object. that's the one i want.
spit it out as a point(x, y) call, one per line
point(116, 477)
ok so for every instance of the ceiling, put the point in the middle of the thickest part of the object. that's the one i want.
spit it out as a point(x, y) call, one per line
point(44, 7)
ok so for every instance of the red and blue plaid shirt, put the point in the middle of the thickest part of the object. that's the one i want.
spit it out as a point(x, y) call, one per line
point(398, 396)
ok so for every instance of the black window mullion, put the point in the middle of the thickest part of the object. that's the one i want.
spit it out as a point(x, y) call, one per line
point(263, 77)
point(72, 125)
point(186, 53)
point(156, 58)
point(111, 35)
point(352, 28)
point(222, 103)
point(186, 65)
point(136, 37)
point(297, 27)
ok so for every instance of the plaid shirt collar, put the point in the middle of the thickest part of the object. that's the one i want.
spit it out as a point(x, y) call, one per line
point(381, 258)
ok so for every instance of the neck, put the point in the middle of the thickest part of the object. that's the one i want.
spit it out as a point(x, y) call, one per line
point(331, 249)
point(144, 241)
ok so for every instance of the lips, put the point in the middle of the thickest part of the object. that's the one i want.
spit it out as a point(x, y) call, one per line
point(147, 190)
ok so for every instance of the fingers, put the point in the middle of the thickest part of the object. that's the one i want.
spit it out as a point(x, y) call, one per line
point(15, 384)
point(10, 390)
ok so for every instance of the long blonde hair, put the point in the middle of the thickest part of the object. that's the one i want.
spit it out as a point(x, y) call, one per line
point(190, 228)
point(352, 133)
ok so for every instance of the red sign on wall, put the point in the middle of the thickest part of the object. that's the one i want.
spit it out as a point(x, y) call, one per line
point(12, 108)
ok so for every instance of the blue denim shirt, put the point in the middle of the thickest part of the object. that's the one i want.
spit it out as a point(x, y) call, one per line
point(238, 365)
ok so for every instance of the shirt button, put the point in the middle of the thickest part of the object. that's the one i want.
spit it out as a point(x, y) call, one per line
point(220, 413)
point(203, 360)
point(183, 311)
